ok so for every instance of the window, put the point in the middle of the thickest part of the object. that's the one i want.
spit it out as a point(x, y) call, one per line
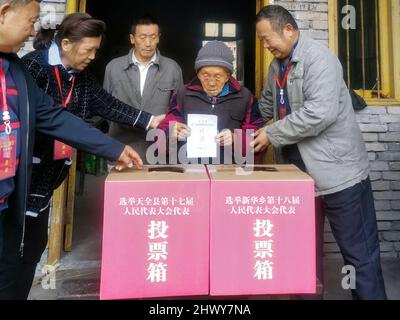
point(212, 30)
point(227, 32)
point(362, 35)
point(358, 45)
point(220, 30)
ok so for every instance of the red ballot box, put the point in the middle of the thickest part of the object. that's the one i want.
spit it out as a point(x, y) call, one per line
point(262, 231)
point(156, 233)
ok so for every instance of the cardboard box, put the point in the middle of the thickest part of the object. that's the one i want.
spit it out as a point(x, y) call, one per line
point(262, 231)
point(156, 233)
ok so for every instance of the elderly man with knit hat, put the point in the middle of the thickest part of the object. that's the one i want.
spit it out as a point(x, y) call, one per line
point(215, 92)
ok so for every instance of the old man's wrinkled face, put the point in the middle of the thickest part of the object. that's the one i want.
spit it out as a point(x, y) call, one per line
point(213, 79)
point(278, 43)
point(17, 25)
point(145, 40)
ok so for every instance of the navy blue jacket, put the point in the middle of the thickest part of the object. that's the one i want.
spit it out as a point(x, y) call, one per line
point(37, 111)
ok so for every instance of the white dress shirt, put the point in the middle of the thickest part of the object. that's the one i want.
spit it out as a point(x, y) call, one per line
point(144, 69)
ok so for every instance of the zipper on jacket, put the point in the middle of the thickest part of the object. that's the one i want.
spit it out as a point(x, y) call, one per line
point(213, 102)
point(21, 248)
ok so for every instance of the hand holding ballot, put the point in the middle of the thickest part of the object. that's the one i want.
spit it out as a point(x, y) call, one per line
point(180, 131)
point(202, 135)
point(261, 141)
point(128, 159)
point(225, 138)
point(156, 121)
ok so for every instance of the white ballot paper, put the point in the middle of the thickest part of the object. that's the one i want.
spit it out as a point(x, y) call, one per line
point(204, 129)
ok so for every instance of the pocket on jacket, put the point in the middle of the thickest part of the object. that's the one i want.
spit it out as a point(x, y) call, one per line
point(296, 91)
point(341, 151)
point(166, 86)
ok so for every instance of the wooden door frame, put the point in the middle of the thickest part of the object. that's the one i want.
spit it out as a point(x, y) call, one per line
point(73, 6)
point(263, 57)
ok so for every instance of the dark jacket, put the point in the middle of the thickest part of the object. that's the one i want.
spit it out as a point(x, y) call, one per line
point(37, 111)
point(238, 109)
point(88, 98)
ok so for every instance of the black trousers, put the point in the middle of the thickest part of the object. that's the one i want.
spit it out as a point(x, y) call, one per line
point(17, 271)
point(352, 217)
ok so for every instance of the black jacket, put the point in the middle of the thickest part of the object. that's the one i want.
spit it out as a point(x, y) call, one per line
point(37, 111)
point(88, 98)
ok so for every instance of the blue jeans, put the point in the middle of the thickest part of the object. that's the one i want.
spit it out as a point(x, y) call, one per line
point(351, 214)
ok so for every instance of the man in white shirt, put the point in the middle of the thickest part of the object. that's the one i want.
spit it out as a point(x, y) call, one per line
point(144, 78)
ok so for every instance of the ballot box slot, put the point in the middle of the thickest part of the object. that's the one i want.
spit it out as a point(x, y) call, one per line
point(167, 169)
point(261, 169)
point(247, 169)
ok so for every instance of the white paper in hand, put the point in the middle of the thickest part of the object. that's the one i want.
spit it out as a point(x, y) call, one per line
point(204, 129)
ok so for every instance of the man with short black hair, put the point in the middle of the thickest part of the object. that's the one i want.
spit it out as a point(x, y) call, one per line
point(144, 78)
point(315, 128)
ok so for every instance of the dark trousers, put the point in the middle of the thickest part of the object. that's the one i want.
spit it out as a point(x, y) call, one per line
point(352, 217)
point(16, 271)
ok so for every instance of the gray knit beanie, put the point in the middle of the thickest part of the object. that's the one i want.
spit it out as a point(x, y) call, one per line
point(214, 53)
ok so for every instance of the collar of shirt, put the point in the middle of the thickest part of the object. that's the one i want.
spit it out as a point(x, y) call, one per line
point(139, 64)
point(225, 90)
point(55, 59)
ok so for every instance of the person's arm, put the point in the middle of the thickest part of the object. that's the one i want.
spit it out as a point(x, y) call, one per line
point(174, 118)
point(253, 121)
point(55, 121)
point(110, 108)
point(174, 114)
point(321, 99)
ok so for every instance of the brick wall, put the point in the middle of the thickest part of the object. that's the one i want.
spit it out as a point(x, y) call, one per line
point(311, 16)
point(51, 14)
point(381, 130)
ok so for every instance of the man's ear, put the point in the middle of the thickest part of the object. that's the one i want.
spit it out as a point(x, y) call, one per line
point(289, 30)
point(132, 38)
point(4, 9)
